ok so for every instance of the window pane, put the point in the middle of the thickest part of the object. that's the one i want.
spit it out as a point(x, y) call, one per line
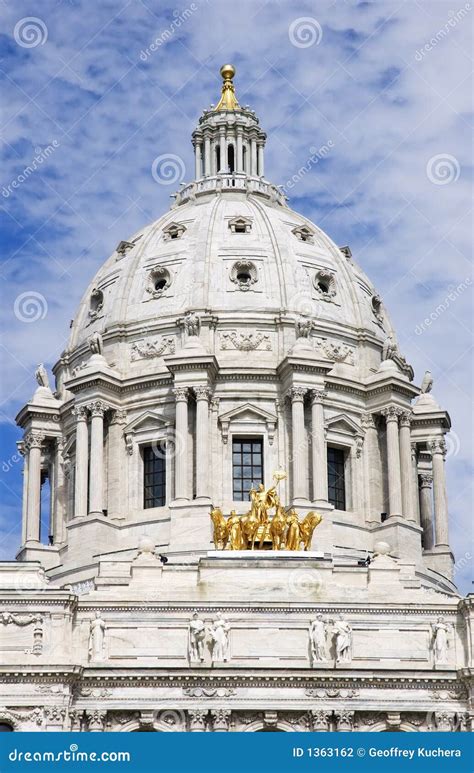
point(247, 468)
point(154, 476)
point(336, 478)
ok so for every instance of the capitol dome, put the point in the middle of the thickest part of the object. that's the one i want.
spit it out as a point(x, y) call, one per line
point(227, 339)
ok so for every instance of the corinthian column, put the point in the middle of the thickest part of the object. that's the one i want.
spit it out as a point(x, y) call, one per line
point(207, 155)
point(222, 150)
point(318, 448)
point(437, 447)
point(426, 509)
point(298, 446)
point(96, 485)
point(198, 161)
point(202, 441)
point(181, 443)
point(406, 466)
point(393, 460)
point(33, 442)
point(239, 161)
point(253, 157)
point(80, 482)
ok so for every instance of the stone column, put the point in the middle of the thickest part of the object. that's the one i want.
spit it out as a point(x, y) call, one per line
point(82, 451)
point(344, 720)
point(197, 161)
point(260, 160)
point(239, 159)
point(33, 442)
point(253, 157)
point(414, 482)
point(24, 502)
point(197, 720)
point(222, 150)
point(58, 493)
point(202, 442)
point(297, 442)
point(207, 155)
point(181, 444)
point(117, 460)
point(320, 719)
point(426, 509)
point(437, 447)
point(372, 489)
point(96, 482)
point(406, 466)
point(318, 448)
point(221, 720)
point(393, 461)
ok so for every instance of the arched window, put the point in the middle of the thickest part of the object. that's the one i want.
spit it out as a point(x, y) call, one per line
point(231, 158)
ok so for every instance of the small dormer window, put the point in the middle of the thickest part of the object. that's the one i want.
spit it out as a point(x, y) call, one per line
point(304, 234)
point(240, 225)
point(173, 231)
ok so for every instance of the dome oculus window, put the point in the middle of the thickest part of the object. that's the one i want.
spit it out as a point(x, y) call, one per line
point(96, 303)
point(158, 282)
point(173, 231)
point(325, 284)
point(376, 304)
point(244, 274)
point(304, 234)
point(240, 225)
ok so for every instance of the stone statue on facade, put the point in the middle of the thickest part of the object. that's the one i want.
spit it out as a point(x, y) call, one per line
point(97, 638)
point(96, 344)
point(390, 348)
point(440, 640)
point(317, 638)
point(197, 635)
point(427, 383)
point(343, 637)
point(219, 633)
point(41, 376)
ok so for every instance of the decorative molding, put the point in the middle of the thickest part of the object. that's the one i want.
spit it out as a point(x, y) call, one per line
point(158, 281)
point(336, 350)
point(324, 282)
point(244, 274)
point(245, 342)
point(209, 692)
point(145, 350)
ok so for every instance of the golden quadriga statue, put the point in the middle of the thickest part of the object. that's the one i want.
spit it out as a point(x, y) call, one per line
point(281, 531)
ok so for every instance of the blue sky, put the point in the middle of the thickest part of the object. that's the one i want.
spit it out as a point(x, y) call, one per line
point(386, 85)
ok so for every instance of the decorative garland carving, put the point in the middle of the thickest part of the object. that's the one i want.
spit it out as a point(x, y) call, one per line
point(145, 350)
point(245, 342)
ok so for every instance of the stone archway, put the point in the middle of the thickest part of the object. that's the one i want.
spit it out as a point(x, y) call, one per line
point(259, 726)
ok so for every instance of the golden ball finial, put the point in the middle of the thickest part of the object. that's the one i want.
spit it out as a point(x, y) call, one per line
point(227, 71)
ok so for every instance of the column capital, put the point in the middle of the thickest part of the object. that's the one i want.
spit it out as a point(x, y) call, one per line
point(197, 719)
point(367, 421)
point(34, 439)
point(345, 720)
point(80, 412)
point(202, 392)
point(221, 718)
point(181, 393)
point(297, 394)
point(119, 416)
point(320, 718)
point(426, 479)
point(405, 418)
point(437, 445)
point(414, 450)
point(392, 413)
point(96, 719)
point(318, 395)
point(97, 407)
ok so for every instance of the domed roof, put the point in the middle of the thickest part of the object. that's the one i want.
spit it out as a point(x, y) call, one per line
point(230, 247)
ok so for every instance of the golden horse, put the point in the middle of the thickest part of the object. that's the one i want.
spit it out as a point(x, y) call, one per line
point(249, 524)
point(301, 531)
point(277, 528)
point(220, 528)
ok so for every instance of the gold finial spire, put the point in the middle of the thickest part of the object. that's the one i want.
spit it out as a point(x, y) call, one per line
point(228, 100)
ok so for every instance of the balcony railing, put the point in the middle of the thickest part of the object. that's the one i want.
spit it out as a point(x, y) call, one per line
point(223, 183)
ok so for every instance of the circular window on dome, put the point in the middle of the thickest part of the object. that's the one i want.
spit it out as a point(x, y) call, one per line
point(244, 274)
point(376, 304)
point(159, 280)
point(96, 303)
point(325, 284)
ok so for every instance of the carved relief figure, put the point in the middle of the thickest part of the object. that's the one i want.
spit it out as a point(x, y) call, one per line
point(97, 638)
point(95, 343)
point(197, 635)
point(219, 633)
point(41, 376)
point(317, 637)
point(440, 641)
point(343, 636)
